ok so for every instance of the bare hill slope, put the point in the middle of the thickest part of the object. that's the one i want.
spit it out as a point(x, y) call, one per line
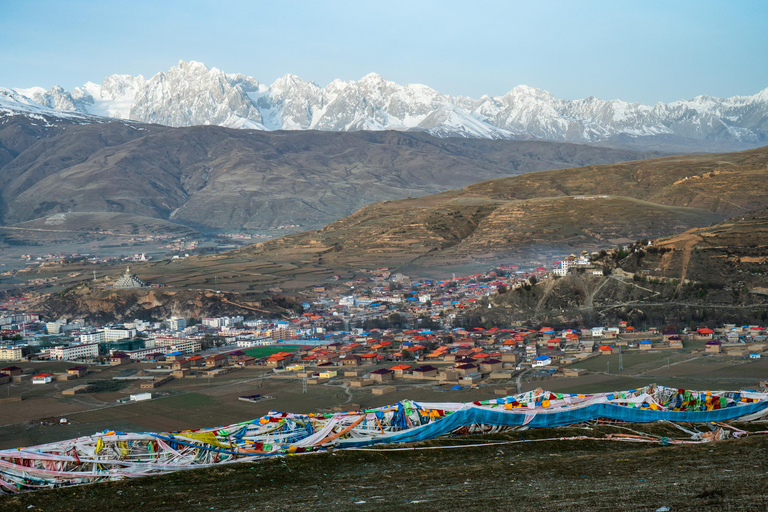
point(213, 178)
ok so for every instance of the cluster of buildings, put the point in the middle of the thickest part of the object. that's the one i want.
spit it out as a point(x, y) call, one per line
point(580, 263)
point(380, 357)
point(379, 326)
point(468, 356)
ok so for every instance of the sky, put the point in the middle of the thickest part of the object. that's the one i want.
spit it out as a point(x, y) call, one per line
point(644, 51)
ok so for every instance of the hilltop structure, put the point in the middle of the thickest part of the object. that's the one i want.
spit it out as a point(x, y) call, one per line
point(128, 281)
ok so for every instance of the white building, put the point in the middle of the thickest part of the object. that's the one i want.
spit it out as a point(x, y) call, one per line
point(348, 301)
point(42, 378)
point(597, 332)
point(139, 325)
point(215, 323)
point(560, 272)
point(54, 327)
point(81, 351)
point(138, 397)
point(258, 324)
point(116, 334)
point(255, 342)
point(187, 346)
point(144, 352)
point(93, 337)
point(176, 323)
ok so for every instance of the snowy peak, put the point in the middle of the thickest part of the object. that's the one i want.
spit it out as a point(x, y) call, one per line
point(13, 103)
point(190, 93)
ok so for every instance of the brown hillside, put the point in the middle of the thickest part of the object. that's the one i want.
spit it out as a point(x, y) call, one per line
point(533, 214)
point(504, 221)
point(213, 178)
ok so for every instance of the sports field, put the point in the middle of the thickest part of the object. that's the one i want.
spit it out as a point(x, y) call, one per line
point(260, 352)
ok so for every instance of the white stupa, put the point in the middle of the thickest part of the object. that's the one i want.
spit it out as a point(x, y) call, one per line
point(128, 280)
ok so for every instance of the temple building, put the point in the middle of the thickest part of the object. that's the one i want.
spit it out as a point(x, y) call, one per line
point(128, 280)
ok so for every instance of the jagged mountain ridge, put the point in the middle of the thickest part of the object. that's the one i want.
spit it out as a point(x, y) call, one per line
point(192, 94)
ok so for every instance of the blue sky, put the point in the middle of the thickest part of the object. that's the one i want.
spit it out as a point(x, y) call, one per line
point(644, 51)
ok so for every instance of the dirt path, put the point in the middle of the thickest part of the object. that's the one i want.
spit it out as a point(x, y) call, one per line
point(550, 285)
point(251, 308)
point(687, 250)
point(588, 303)
point(668, 365)
point(349, 394)
point(635, 285)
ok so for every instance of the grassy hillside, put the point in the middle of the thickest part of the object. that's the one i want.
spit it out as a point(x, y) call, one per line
point(538, 213)
point(548, 475)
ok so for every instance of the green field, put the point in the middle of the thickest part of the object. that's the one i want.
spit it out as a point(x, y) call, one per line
point(260, 352)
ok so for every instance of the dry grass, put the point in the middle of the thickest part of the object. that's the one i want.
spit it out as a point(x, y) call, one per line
point(551, 475)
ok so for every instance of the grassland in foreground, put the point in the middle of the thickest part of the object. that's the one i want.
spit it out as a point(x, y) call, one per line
point(547, 475)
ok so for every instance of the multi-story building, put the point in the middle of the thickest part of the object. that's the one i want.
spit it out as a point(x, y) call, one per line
point(187, 346)
point(165, 341)
point(10, 354)
point(80, 351)
point(222, 322)
point(93, 337)
point(176, 324)
point(255, 342)
point(54, 327)
point(113, 334)
point(144, 352)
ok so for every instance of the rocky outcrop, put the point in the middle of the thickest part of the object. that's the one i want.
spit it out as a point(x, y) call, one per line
point(101, 305)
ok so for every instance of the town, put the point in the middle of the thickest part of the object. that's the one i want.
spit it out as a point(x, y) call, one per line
point(381, 331)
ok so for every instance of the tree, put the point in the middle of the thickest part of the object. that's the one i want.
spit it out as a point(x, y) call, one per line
point(209, 341)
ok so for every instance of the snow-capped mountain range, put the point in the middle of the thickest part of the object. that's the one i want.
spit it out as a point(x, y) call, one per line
point(192, 94)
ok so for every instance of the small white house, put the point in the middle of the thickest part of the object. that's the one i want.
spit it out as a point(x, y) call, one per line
point(597, 332)
point(755, 356)
point(42, 378)
point(541, 361)
point(141, 396)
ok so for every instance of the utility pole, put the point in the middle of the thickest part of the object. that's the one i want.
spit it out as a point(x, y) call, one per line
point(94, 275)
point(609, 367)
point(621, 361)
point(304, 385)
